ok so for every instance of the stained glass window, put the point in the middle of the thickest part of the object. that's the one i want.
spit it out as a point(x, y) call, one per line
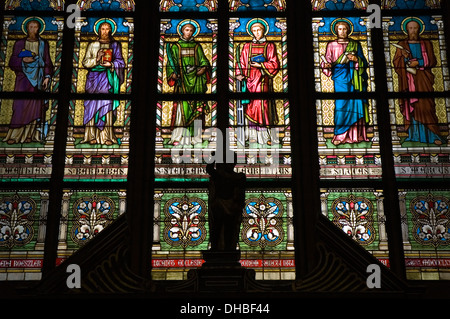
point(116, 48)
point(31, 54)
point(426, 233)
point(84, 215)
point(191, 133)
point(408, 4)
point(186, 130)
point(187, 44)
point(263, 151)
point(30, 70)
point(32, 5)
point(189, 136)
point(260, 128)
point(22, 233)
point(106, 5)
point(27, 147)
point(257, 5)
point(99, 129)
point(268, 247)
point(339, 5)
point(183, 151)
point(344, 154)
point(359, 213)
point(429, 30)
point(188, 5)
point(106, 158)
point(416, 73)
point(27, 37)
point(363, 111)
point(258, 40)
point(347, 127)
point(181, 233)
point(332, 33)
point(28, 125)
point(420, 130)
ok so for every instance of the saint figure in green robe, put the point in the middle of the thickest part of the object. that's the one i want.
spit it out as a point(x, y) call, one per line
point(189, 72)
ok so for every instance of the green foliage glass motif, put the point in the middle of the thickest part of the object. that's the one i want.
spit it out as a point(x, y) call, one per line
point(84, 215)
point(359, 213)
point(266, 238)
point(426, 239)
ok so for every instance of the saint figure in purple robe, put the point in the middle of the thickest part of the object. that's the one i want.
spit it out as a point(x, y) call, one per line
point(30, 60)
point(106, 74)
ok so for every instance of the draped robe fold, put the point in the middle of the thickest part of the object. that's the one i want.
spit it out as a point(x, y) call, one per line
point(100, 115)
point(351, 115)
point(29, 78)
point(259, 80)
point(419, 114)
point(185, 58)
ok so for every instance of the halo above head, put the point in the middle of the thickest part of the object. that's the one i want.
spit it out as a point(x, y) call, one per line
point(38, 20)
point(111, 22)
point(408, 20)
point(257, 20)
point(347, 21)
point(191, 22)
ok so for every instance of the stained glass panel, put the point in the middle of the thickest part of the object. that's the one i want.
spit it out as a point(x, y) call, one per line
point(426, 233)
point(98, 147)
point(188, 5)
point(188, 56)
point(421, 147)
point(257, 5)
point(259, 128)
point(348, 148)
point(344, 55)
point(258, 55)
point(30, 54)
point(106, 5)
point(410, 4)
point(22, 233)
point(186, 139)
point(263, 149)
point(84, 214)
point(267, 234)
point(417, 54)
point(39, 5)
point(267, 247)
point(339, 5)
point(27, 139)
point(103, 56)
point(417, 63)
point(359, 213)
point(177, 245)
point(347, 128)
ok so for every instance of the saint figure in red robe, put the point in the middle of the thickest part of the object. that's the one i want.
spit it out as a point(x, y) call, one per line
point(257, 66)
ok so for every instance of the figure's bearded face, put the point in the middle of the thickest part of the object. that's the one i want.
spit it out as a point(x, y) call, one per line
point(188, 30)
point(33, 29)
point(413, 29)
point(342, 31)
point(258, 31)
point(105, 31)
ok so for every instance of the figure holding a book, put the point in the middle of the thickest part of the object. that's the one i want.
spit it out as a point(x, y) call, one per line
point(33, 67)
point(257, 66)
point(106, 73)
point(413, 62)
